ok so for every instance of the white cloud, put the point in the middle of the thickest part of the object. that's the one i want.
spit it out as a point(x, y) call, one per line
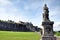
point(9, 13)
point(56, 26)
point(5, 2)
point(54, 11)
point(12, 13)
point(26, 8)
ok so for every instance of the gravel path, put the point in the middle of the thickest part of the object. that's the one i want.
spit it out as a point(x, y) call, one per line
point(58, 38)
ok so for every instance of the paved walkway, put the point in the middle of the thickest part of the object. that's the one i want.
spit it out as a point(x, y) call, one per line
point(58, 38)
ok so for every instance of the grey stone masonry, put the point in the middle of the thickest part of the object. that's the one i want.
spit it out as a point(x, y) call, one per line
point(47, 26)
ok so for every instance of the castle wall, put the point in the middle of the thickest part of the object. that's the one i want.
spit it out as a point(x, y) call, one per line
point(6, 26)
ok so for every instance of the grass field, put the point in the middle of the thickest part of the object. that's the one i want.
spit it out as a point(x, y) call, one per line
point(57, 33)
point(4, 35)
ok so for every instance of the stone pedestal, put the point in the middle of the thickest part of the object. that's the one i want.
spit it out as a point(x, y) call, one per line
point(48, 30)
point(49, 38)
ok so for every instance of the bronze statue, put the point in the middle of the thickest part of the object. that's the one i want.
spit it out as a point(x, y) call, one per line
point(46, 13)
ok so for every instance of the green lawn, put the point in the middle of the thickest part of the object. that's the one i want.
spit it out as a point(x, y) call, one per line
point(57, 34)
point(4, 35)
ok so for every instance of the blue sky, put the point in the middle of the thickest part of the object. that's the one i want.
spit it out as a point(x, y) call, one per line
point(30, 11)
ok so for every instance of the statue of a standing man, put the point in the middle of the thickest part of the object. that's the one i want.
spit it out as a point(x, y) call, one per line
point(46, 13)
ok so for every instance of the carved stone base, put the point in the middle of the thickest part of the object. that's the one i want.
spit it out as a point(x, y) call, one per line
point(48, 38)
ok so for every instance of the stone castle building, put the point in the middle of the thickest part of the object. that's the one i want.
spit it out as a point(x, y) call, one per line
point(21, 26)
